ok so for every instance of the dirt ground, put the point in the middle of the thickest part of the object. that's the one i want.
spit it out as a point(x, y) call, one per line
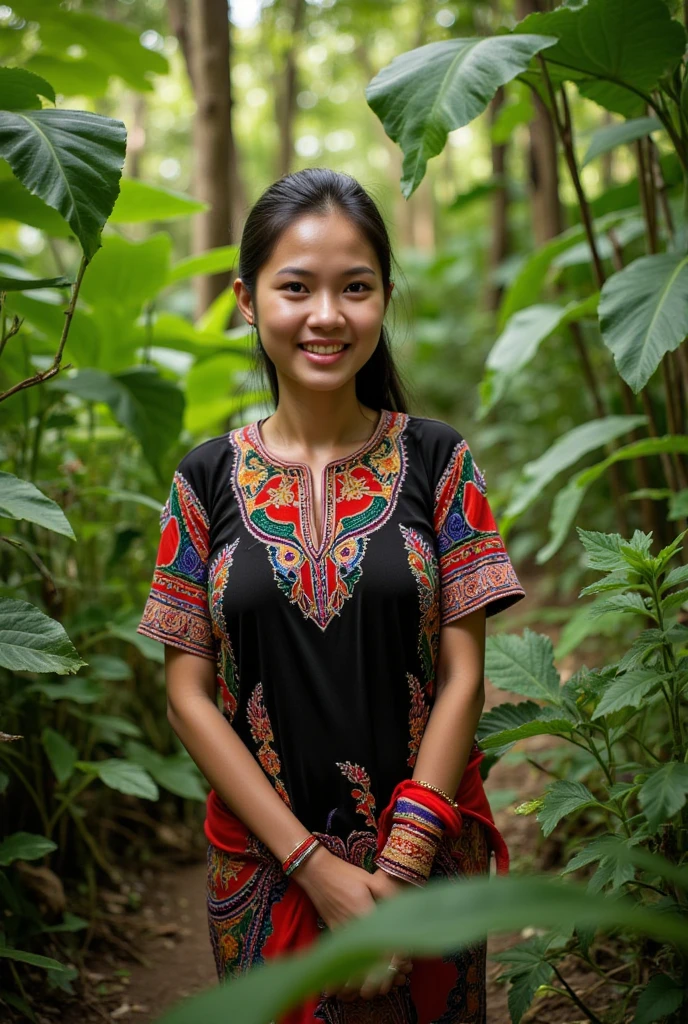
point(165, 951)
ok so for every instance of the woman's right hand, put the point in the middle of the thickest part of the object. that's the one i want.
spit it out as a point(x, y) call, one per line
point(340, 891)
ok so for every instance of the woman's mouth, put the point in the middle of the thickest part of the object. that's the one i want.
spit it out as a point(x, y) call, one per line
point(323, 354)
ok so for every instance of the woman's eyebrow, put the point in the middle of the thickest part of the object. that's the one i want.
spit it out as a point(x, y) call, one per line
point(311, 273)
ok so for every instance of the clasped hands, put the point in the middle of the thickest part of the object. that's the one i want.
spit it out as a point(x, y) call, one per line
point(379, 979)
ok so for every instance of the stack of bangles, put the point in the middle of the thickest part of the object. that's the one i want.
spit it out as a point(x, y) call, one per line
point(414, 836)
point(299, 854)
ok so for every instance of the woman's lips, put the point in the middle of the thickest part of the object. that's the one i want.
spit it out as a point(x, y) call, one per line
point(323, 358)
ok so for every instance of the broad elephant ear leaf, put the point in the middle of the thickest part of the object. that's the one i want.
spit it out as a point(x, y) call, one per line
point(72, 160)
point(426, 93)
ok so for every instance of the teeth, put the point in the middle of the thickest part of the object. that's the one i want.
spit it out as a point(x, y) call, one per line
point(325, 349)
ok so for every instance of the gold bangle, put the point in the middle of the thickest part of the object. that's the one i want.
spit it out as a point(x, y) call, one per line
point(436, 789)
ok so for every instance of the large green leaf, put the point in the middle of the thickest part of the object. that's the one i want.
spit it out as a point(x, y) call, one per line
point(17, 203)
point(615, 50)
point(116, 48)
point(508, 723)
point(215, 261)
point(644, 314)
point(17, 279)
point(20, 499)
point(432, 921)
point(528, 968)
point(177, 772)
point(561, 798)
point(566, 451)
point(124, 275)
point(72, 76)
point(427, 92)
point(148, 405)
point(72, 160)
point(660, 998)
point(22, 90)
point(61, 753)
point(124, 776)
point(32, 642)
point(608, 138)
point(24, 846)
point(139, 203)
point(627, 691)
point(524, 665)
point(664, 793)
point(81, 690)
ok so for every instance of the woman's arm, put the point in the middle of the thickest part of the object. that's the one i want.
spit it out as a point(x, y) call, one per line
point(460, 696)
point(223, 757)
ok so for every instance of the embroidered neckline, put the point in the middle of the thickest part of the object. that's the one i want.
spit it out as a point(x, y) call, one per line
point(316, 550)
point(256, 436)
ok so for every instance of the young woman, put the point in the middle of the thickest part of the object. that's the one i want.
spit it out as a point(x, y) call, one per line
point(327, 572)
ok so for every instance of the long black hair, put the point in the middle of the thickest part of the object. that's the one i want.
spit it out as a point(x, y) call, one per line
point(320, 190)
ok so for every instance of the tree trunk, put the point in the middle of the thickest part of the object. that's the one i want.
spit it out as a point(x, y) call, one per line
point(499, 245)
point(216, 177)
point(544, 168)
point(287, 89)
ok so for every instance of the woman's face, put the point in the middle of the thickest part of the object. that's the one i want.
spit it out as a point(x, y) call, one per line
point(319, 302)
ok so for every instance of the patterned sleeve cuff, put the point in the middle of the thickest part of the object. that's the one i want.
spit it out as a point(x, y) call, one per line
point(412, 843)
point(490, 581)
point(178, 623)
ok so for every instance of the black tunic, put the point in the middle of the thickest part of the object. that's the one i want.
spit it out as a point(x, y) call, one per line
point(326, 654)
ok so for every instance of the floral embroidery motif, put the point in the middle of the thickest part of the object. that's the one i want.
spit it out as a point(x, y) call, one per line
point(419, 712)
point(423, 564)
point(359, 496)
point(263, 737)
point(474, 566)
point(227, 672)
point(365, 801)
point(176, 611)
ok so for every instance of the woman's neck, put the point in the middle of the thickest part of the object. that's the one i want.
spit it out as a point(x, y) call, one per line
point(318, 421)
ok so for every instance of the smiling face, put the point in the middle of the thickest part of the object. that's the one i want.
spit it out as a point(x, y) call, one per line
point(319, 302)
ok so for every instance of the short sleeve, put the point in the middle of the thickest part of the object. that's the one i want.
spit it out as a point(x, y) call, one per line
point(177, 610)
point(475, 569)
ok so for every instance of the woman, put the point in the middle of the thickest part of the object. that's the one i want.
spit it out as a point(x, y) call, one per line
point(327, 571)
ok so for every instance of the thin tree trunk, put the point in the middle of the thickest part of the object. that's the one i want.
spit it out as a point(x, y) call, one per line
point(499, 247)
point(216, 178)
point(287, 89)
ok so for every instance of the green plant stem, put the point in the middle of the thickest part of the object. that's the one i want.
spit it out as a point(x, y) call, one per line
point(68, 800)
point(576, 999)
point(53, 370)
point(93, 847)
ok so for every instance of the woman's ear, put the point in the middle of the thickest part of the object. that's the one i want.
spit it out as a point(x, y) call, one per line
point(244, 302)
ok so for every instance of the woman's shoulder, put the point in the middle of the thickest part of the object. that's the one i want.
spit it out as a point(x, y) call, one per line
point(204, 466)
point(435, 441)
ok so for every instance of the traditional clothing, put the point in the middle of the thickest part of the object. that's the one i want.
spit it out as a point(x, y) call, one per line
point(326, 652)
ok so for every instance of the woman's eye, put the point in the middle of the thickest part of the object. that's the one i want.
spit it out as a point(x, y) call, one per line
point(363, 285)
point(298, 284)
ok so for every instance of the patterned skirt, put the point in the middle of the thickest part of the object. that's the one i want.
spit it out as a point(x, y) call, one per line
point(255, 912)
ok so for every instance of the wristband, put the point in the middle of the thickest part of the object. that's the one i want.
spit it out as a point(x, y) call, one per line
point(299, 854)
point(413, 839)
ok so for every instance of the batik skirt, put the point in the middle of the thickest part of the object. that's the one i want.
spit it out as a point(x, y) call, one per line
point(255, 912)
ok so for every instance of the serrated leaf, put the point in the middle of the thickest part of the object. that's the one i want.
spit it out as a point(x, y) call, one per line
point(508, 723)
point(603, 550)
point(20, 499)
point(661, 997)
point(562, 798)
point(33, 642)
point(612, 874)
point(524, 665)
point(664, 793)
point(624, 604)
point(627, 691)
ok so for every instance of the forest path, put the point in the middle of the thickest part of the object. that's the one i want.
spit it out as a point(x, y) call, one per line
point(172, 934)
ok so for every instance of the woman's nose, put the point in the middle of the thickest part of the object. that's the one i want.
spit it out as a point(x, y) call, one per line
point(325, 310)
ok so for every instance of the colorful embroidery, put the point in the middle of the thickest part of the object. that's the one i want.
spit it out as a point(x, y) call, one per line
point(227, 672)
point(263, 737)
point(365, 801)
point(358, 497)
point(474, 566)
point(176, 611)
point(419, 712)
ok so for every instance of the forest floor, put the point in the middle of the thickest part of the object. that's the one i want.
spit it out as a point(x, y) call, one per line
point(161, 951)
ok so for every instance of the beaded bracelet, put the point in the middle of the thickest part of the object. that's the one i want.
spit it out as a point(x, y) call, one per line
point(436, 789)
point(412, 842)
point(299, 854)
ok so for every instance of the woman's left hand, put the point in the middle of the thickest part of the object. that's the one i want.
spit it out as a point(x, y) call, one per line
point(382, 886)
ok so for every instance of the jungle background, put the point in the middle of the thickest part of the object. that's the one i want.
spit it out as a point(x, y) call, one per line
point(541, 307)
